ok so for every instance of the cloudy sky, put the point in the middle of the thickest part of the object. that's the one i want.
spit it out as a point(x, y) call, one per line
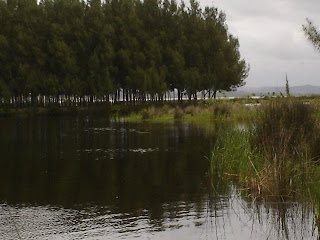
point(272, 40)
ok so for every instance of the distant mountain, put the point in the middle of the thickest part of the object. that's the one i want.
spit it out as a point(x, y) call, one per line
point(305, 90)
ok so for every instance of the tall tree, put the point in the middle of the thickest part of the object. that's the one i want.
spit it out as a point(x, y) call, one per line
point(138, 48)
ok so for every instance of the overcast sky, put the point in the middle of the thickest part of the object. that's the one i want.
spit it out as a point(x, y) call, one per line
point(272, 40)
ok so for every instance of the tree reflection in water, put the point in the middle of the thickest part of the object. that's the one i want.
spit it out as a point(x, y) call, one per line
point(82, 178)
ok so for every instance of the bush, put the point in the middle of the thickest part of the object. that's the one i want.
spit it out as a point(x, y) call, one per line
point(178, 113)
point(165, 109)
point(220, 110)
point(148, 113)
point(145, 114)
point(192, 110)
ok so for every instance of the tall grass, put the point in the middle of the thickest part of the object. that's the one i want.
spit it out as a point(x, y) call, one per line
point(284, 128)
point(276, 153)
point(285, 134)
point(233, 158)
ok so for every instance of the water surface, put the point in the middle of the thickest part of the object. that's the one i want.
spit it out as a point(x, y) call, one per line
point(90, 178)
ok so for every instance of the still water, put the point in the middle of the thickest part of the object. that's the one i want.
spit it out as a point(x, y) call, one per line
point(90, 178)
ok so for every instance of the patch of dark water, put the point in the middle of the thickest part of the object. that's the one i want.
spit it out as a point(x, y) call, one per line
point(88, 178)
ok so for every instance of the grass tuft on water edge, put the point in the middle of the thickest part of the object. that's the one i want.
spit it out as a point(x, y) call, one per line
point(275, 155)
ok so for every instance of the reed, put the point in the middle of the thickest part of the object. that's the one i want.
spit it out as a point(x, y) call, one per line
point(221, 110)
point(275, 155)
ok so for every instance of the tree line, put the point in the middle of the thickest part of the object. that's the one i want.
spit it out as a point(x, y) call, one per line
point(133, 48)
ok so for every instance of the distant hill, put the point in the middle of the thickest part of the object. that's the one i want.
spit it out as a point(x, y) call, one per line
point(305, 90)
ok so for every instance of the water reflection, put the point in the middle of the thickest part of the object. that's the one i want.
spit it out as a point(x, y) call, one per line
point(66, 178)
point(232, 219)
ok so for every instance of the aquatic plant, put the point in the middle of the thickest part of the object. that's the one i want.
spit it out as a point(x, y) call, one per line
point(148, 113)
point(275, 154)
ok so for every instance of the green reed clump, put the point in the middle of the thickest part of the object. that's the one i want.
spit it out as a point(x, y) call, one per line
point(284, 128)
point(232, 150)
point(276, 153)
point(233, 157)
point(285, 134)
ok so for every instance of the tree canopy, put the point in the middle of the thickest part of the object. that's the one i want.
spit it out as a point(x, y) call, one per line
point(92, 48)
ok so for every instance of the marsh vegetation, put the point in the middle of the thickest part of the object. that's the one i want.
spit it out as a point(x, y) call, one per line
point(276, 156)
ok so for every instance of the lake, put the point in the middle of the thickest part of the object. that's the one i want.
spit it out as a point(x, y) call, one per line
point(92, 178)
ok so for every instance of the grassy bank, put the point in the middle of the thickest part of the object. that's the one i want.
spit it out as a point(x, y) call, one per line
point(207, 111)
point(202, 111)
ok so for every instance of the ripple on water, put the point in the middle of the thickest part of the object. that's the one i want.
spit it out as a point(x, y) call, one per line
point(179, 220)
point(48, 223)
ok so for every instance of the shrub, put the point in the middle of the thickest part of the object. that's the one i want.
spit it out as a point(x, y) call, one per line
point(220, 110)
point(165, 109)
point(192, 110)
point(115, 110)
point(178, 113)
point(145, 114)
point(149, 113)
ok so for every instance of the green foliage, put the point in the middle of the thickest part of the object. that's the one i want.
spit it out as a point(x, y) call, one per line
point(102, 48)
point(275, 155)
point(115, 110)
point(146, 114)
point(232, 154)
point(312, 33)
point(283, 127)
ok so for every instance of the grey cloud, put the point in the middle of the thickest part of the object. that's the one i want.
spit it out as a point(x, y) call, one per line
point(271, 38)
